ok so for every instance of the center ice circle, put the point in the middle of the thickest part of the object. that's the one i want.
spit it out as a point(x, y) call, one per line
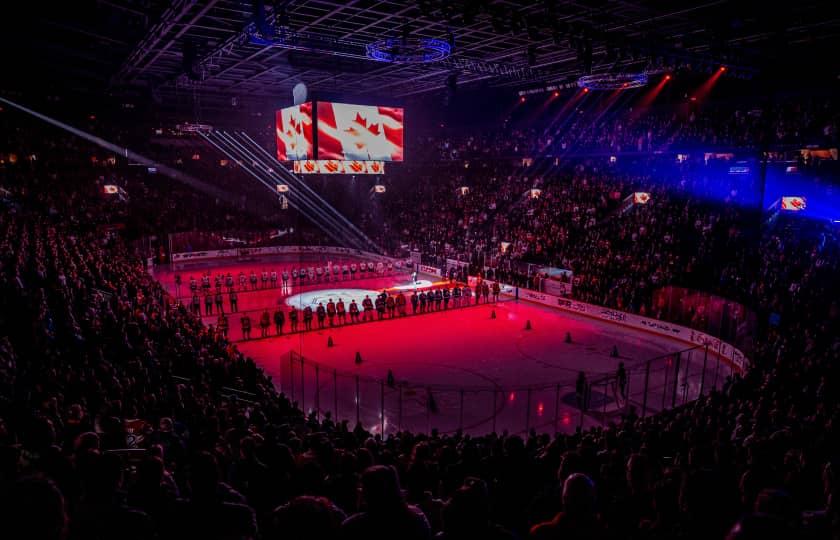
point(322, 296)
point(313, 298)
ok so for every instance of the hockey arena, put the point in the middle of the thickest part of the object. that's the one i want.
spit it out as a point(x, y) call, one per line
point(419, 269)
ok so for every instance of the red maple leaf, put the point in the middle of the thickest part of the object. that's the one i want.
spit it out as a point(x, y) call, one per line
point(372, 128)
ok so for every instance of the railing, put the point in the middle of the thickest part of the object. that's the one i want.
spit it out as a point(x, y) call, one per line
point(386, 405)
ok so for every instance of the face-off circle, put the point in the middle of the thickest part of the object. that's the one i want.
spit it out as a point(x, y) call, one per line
point(322, 296)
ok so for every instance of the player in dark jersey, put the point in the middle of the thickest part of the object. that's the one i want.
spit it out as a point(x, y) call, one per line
point(279, 320)
point(307, 317)
point(340, 312)
point(331, 312)
point(322, 315)
point(354, 311)
point(245, 321)
point(367, 305)
point(293, 319)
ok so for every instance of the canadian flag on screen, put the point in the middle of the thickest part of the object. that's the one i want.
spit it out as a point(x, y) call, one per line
point(641, 197)
point(794, 204)
point(294, 132)
point(359, 132)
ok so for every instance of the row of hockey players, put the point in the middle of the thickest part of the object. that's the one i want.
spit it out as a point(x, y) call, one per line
point(385, 306)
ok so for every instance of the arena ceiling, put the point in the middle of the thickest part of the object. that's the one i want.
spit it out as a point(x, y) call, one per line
point(202, 46)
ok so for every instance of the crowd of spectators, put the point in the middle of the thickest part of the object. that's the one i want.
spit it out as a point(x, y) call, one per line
point(580, 221)
point(515, 201)
point(122, 416)
point(590, 126)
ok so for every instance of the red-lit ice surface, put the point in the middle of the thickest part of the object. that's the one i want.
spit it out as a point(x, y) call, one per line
point(464, 368)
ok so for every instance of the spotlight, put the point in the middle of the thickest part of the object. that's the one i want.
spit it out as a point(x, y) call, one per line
point(667, 77)
point(556, 93)
point(522, 99)
point(586, 90)
point(722, 68)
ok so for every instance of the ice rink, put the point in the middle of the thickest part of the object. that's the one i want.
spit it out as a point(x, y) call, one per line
point(460, 368)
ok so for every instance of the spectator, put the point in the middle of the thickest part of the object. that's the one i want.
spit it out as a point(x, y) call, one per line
point(385, 512)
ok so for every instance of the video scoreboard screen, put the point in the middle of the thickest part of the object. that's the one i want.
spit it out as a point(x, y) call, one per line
point(359, 132)
point(294, 133)
point(340, 132)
